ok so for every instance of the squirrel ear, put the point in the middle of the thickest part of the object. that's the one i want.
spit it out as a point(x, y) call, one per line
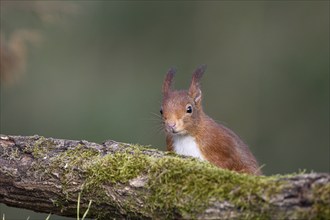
point(194, 90)
point(197, 97)
point(168, 80)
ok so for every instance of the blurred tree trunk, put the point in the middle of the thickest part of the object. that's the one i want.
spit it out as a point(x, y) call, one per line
point(127, 181)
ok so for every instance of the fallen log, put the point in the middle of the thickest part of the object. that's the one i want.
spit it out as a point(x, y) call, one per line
point(130, 181)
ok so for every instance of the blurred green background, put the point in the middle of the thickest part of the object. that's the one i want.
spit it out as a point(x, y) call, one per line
point(93, 70)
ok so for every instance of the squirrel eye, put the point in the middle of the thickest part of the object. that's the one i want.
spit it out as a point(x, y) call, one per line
point(161, 111)
point(189, 109)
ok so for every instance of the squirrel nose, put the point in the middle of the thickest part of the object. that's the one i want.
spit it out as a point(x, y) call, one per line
point(171, 125)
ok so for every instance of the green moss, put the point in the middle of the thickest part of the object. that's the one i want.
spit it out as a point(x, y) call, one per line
point(188, 186)
point(321, 209)
point(78, 156)
point(176, 185)
point(65, 163)
point(118, 167)
point(43, 143)
point(40, 148)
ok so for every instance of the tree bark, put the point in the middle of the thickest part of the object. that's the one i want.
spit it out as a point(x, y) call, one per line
point(129, 181)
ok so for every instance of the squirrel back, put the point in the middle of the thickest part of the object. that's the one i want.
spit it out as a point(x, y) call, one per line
point(189, 131)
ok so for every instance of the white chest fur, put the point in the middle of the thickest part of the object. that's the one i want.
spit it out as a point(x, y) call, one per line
point(186, 145)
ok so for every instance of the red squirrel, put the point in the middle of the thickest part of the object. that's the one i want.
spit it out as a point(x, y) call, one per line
point(190, 132)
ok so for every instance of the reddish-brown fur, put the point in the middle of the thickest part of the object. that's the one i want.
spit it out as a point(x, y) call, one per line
point(218, 144)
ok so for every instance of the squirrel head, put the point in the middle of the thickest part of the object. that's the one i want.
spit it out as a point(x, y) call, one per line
point(181, 110)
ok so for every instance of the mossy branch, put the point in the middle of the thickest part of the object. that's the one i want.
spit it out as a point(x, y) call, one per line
point(130, 181)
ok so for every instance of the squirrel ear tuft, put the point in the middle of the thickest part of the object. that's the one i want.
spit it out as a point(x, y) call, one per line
point(168, 80)
point(194, 90)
